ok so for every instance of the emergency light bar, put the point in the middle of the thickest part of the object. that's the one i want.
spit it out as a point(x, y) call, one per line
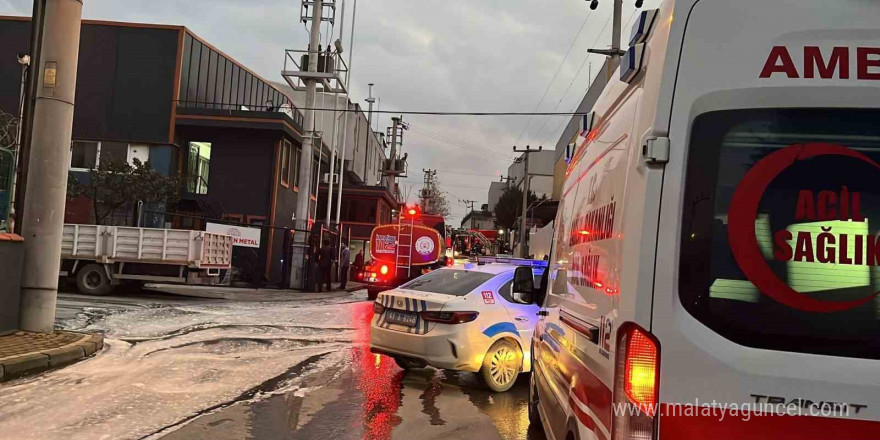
point(510, 260)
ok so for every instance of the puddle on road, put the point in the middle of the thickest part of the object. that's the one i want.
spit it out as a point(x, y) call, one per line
point(367, 397)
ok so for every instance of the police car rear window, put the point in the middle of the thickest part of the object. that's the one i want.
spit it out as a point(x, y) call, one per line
point(781, 229)
point(449, 282)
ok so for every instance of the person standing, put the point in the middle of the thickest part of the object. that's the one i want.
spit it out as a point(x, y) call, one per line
point(344, 265)
point(359, 261)
point(325, 265)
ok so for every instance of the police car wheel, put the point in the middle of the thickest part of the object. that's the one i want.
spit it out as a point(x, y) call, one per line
point(501, 366)
point(408, 364)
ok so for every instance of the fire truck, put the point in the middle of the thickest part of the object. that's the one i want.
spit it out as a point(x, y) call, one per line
point(412, 245)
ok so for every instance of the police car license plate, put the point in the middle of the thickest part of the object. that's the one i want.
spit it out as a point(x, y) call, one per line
point(401, 318)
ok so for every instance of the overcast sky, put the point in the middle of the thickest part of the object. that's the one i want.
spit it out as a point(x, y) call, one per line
point(451, 55)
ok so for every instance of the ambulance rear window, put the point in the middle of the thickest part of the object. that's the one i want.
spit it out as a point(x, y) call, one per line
point(449, 282)
point(781, 229)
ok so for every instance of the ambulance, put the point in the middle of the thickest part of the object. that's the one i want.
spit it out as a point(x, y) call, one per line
point(716, 262)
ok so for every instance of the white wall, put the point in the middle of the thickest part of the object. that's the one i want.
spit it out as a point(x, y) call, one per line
point(540, 168)
point(364, 149)
point(496, 190)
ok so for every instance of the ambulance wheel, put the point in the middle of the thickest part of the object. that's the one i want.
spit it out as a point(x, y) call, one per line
point(372, 294)
point(501, 366)
point(408, 364)
point(93, 280)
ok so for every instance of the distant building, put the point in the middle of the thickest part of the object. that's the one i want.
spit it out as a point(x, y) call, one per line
point(540, 172)
point(161, 93)
point(496, 190)
point(478, 220)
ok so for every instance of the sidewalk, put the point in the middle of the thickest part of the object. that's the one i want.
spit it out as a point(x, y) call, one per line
point(249, 294)
point(24, 353)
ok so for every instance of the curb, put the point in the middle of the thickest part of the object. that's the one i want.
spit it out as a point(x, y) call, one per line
point(38, 362)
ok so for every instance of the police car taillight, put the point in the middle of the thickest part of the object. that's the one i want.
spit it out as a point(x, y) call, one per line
point(636, 384)
point(449, 317)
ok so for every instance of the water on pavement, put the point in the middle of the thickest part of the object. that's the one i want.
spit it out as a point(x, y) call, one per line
point(179, 369)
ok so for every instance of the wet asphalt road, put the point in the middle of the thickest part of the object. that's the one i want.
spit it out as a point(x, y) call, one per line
point(371, 398)
point(191, 368)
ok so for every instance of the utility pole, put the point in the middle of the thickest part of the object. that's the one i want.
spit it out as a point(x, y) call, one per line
point(49, 160)
point(429, 191)
point(524, 252)
point(26, 122)
point(305, 165)
point(346, 114)
point(507, 179)
point(614, 53)
point(470, 205)
point(370, 100)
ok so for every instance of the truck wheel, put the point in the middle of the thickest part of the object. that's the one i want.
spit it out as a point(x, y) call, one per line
point(92, 280)
point(501, 366)
point(372, 294)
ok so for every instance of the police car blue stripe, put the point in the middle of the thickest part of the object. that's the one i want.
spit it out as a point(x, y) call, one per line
point(424, 323)
point(501, 327)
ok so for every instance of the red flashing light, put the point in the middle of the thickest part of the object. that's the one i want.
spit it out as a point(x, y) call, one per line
point(584, 232)
point(411, 212)
point(384, 269)
point(640, 370)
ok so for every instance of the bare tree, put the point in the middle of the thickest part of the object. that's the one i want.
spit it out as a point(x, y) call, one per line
point(8, 130)
point(432, 200)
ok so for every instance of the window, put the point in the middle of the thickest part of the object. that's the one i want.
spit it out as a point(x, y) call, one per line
point(285, 163)
point(753, 255)
point(199, 166)
point(297, 156)
point(238, 218)
point(83, 155)
point(449, 282)
point(113, 152)
point(256, 220)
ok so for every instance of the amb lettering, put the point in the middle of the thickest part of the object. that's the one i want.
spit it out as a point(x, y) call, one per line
point(835, 63)
point(595, 225)
point(829, 248)
point(585, 270)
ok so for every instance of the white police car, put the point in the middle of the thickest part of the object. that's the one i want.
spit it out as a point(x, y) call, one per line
point(464, 317)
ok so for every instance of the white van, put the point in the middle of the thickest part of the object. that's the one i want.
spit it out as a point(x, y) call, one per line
point(716, 260)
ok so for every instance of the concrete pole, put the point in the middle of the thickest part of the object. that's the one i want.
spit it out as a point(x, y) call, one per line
point(615, 38)
point(305, 165)
point(370, 100)
point(395, 123)
point(333, 147)
point(347, 114)
point(525, 204)
point(49, 163)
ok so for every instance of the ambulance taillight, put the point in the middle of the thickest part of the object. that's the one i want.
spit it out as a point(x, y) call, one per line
point(636, 384)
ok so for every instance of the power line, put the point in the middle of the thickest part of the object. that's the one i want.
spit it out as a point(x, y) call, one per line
point(555, 75)
point(455, 143)
point(580, 69)
point(558, 127)
point(443, 113)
